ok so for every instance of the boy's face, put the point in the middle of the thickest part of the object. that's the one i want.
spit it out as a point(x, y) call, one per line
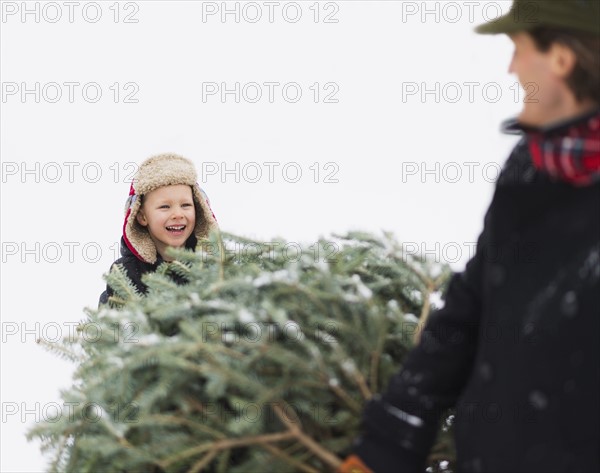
point(169, 215)
point(542, 76)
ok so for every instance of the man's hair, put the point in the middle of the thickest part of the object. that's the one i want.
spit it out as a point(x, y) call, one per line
point(584, 81)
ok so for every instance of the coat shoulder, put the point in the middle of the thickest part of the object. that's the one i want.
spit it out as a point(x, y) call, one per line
point(519, 168)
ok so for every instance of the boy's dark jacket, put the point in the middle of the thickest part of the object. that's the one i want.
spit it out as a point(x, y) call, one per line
point(135, 268)
point(515, 349)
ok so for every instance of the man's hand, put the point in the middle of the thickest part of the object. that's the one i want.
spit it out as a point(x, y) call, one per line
point(354, 464)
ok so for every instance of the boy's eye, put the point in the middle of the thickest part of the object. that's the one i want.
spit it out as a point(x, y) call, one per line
point(187, 205)
point(164, 207)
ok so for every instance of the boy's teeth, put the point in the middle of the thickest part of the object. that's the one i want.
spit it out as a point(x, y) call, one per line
point(178, 227)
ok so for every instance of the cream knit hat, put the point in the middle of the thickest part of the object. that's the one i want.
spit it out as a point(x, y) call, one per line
point(159, 171)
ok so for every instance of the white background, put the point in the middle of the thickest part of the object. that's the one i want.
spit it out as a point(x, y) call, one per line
point(371, 135)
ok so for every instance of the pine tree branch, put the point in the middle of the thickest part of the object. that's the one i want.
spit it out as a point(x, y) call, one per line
point(375, 357)
point(332, 460)
point(225, 444)
point(59, 458)
point(173, 420)
point(424, 311)
point(222, 256)
point(60, 349)
point(422, 276)
point(437, 457)
point(344, 396)
point(360, 381)
point(288, 459)
point(204, 461)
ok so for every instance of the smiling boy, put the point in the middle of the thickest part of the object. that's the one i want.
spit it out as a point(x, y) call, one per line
point(515, 349)
point(165, 208)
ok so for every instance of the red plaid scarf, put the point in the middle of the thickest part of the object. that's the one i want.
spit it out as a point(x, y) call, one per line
point(569, 152)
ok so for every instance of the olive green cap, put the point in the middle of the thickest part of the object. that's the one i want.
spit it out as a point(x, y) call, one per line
point(524, 15)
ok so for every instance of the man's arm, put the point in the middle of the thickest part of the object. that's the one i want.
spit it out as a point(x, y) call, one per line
point(400, 426)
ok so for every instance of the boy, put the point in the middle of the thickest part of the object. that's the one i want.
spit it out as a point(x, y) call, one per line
point(516, 347)
point(165, 208)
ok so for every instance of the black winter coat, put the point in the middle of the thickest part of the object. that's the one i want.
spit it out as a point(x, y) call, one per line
point(135, 268)
point(516, 348)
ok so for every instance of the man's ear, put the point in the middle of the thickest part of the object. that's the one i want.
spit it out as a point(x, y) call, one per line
point(562, 60)
point(141, 218)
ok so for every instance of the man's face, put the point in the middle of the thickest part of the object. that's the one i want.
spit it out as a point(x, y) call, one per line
point(541, 75)
point(169, 215)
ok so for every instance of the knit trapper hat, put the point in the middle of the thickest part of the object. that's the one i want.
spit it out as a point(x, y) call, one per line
point(159, 171)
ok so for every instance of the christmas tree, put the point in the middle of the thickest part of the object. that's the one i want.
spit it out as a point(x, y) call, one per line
point(262, 361)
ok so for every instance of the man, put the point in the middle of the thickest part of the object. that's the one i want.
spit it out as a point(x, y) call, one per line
point(516, 347)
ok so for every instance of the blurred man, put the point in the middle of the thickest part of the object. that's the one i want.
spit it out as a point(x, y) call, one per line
point(516, 347)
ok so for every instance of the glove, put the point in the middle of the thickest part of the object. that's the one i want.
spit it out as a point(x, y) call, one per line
point(353, 464)
point(391, 441)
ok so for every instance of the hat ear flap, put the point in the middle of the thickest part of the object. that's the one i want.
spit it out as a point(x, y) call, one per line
point(205, 218)
point(136, 235)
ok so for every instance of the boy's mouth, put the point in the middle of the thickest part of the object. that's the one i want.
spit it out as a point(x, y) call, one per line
point(176, 229)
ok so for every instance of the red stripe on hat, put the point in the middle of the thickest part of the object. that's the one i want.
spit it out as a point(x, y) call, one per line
point(127, 242)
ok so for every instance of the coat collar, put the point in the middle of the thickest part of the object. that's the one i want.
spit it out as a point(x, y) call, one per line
point(512, 126)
